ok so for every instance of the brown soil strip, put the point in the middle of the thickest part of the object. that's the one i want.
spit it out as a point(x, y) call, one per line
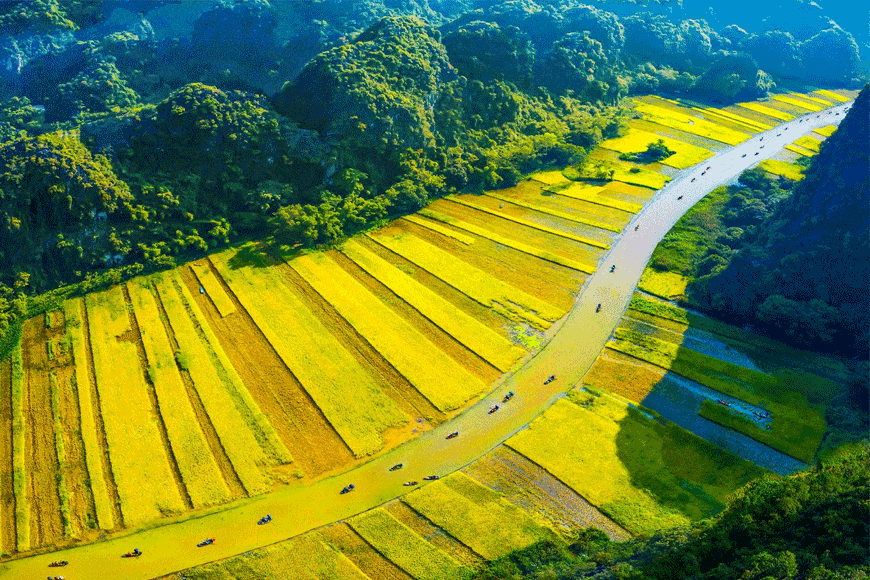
point(237, 489)
point(483, 314)
point(7, 497)
point(98, 418)
point(374, 565)
point(46, 523)
point(315, 446)
point(393, 383)
point(136, 339)
point(455, 349)
point(433, 534)
point(533, 489)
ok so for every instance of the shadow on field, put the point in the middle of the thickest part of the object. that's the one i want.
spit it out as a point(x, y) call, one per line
point(250, 255)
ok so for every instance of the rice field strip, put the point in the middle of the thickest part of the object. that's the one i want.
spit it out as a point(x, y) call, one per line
point(477, 516)
point(809, 143)
point(226, 400)
point(689, 123)
point(97, 448)
point(316, 358)
point(438, 537)
point(825, 104)
point(213, 289)
point(636, 140)
point(436, 227)
point(834, 97)
point(60, 452)
point(439, 378)
point(471, 281)
point(513, 244)
point(769, 111)
point(19, 467)
point(826, 131)
point(594, 194)
point(404, 547)
point(791, 171)
point(554, 213)
point(493, 347)
point(554, 177)
point(199, 471)
point(364, 556)
point(800, 150)
point(534, 225)
point(750, 124)
point(798, 103)
point(141, 468)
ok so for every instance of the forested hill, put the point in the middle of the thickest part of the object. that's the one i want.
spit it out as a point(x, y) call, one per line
point(805, 275)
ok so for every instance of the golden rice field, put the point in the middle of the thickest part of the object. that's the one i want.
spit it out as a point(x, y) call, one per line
point(229, 376)
point(788, 170)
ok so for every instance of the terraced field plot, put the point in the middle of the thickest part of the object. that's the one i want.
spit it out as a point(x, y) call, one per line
point(636, 141)
point(644, 475)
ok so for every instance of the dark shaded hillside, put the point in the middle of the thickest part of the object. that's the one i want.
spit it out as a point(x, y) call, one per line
point(806, 275)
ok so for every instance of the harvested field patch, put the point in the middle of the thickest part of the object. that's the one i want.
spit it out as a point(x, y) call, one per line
point(7, 493)
point(592, 217)
point(668, 285)
point(102, 486)
point(800, 150)
point(477, 516)
point(438, 377)
point(831, 96)
point(809, 142)
point(803, 104)
point(767, 111)
point(474, 282)
point(533, 489)
point(645, 475)
point(685, 121)
point(433, 534)
point(314, 356)
point(306, 557)
point(791, 171)
point(370, 562)
point(199, 471)
point(46, 523)
point(826, 131)
point(226, 408)
point(146, 486)
point(491, 346)
point(636, 141)
point(404, 547)
point(212, 288)
point(312, 442)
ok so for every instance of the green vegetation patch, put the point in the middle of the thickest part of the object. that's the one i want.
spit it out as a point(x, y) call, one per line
point(601, 169)
point(798, 424)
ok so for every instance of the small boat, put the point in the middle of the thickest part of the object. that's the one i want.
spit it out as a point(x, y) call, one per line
point(432, 477)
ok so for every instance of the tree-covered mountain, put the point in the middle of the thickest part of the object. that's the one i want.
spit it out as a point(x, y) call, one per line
point(136, 134)
point(804, 275)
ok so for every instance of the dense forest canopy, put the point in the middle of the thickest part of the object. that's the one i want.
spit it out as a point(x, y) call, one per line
point(136, 134)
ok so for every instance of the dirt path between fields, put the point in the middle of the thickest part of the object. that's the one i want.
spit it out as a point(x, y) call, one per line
point(569, 354)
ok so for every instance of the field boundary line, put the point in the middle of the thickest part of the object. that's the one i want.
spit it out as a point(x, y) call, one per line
point(279, 452)
point(539, 209)
point(557, 478)
point(155, 403)
point(513, 244)
point(228, 470)
point(19, 472)
point(60, 452)
point(94, 453)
